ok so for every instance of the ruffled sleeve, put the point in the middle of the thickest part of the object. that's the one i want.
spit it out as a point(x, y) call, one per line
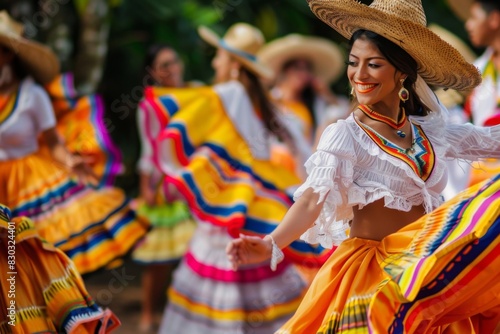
point(330, 174)
point(470, 142)
point(460, 141)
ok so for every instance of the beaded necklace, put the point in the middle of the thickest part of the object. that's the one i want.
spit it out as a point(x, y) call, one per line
point(370, 113)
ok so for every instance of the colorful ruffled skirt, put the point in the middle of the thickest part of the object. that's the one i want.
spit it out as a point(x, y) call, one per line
point(92, 226)
point(41, 290)
point(208, 297)
point(82, 125)
point(440, 274)
point(168, 239)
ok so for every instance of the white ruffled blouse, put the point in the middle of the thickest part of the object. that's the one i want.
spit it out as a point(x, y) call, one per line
point(350, 169)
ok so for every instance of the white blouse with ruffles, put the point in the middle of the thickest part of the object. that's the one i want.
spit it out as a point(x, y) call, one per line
point(32, 115)
point(349, 169)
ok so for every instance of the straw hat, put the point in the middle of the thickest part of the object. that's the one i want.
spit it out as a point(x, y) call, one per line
point(325, 56)
point(451, 97)
point(403, 22)
point(243, 41)
point(461, 8)
point(39, 61)
point(454, 41)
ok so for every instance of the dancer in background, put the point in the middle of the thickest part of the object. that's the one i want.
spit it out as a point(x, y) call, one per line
point(41, 290)
point(483, 104)
point(305, 66)
point(92, 226)
point(458, 170)
point(163, 246)
point(215, 149)
point(406, 261)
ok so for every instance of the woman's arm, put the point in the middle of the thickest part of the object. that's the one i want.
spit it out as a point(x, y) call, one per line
point(74, 163)
point(300, 217)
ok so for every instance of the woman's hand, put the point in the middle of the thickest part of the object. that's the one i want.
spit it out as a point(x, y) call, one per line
point(79, 166)
point(248, 250)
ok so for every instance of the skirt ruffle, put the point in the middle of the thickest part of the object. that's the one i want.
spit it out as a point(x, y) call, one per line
point(208, 297)
point(41, 290)
point(82, 124)
point(167, 241)
point(439, 273)
point(92, 226)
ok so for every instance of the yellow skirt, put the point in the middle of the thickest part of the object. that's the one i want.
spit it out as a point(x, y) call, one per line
point(41, 291)
point(168, 239)
point(440, 274)
point(92, 226)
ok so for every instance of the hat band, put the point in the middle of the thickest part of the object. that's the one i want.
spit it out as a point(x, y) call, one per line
point(240, 53)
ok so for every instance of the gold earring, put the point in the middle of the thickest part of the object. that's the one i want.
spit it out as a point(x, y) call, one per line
point(352, 92)
point(403, 93)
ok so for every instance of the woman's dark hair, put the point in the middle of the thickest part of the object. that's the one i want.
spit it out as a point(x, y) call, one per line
point(489, 5)
point(259, 96)
point(151, 54)
point(19, 68)
point(403, 62)
point(307, 95)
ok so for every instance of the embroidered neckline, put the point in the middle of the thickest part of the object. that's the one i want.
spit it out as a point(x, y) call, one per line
point(420, 156)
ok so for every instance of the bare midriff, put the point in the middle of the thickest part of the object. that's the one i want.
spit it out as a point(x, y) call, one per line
point(375, 221)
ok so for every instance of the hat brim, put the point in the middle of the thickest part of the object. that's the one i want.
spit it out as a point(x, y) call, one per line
point(40, 62)
point(455, 41)
point(461, 8)
point(327, 59)
point(209, 36)
point(439, 63)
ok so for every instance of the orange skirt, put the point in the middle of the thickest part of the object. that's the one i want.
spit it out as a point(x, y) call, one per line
point(41, 290)
point(92, 226)
point(440, 274)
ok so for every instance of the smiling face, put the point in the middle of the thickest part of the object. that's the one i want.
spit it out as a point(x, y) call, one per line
point(375, 80)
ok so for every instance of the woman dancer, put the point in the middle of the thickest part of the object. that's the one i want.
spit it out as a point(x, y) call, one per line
point(92, 226)
point(215, 149)
point(305, 66)
point(163, 246)
point(405, 263)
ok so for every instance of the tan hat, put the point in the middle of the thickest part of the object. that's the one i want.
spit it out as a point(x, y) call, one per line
point(451, 97)
point(325, 56)
point(39, 61)
point(243, 41)
point(455, 41)
point(403, 22)
point(461, 8)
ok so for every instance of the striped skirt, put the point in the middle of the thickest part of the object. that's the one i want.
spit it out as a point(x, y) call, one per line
point(41, 290)
point(168, 239)
point(440, 274)
point(92, 226)
point(207, 297)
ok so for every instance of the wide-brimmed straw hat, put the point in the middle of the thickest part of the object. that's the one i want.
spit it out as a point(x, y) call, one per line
point(451, 97)
point(454, 41)
point(39, 61)
point(325, 56)
point(403, 22)
point(461, 8)
point(242, 41)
